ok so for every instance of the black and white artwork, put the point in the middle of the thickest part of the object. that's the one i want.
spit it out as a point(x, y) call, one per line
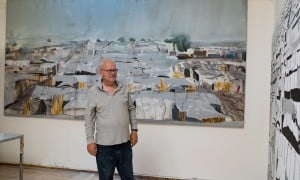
point(184, 60)
point(284, 160)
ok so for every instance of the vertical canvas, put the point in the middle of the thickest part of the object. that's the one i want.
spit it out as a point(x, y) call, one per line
point(184, 60)
point(284, 154)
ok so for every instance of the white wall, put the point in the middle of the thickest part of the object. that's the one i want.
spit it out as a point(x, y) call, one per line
point(172, 151)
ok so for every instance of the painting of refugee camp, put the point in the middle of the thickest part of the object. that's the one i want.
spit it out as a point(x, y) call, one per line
point(184, 60)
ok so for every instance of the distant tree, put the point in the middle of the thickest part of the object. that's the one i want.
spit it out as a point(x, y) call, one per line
point(121, 39)
point(132, 39)
point(98, 40)
point(143, 39)
point(182, 41)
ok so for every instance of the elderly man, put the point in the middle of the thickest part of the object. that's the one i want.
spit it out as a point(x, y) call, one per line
point(109, 114)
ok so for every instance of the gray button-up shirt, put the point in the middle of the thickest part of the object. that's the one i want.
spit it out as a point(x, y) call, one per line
point(108, 116)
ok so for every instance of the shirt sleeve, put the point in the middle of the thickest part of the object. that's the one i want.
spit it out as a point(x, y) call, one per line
point(132, 116)
point(90, 116)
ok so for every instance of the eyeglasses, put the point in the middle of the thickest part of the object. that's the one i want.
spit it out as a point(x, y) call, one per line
point(110, 70)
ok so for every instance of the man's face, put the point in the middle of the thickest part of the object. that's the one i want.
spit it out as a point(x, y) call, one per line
point(109, 72)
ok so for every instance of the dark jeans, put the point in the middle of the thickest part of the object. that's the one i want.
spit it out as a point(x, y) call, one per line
point(116, 156)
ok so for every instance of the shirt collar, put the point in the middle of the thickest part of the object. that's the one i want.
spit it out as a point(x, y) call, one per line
point(100, 85)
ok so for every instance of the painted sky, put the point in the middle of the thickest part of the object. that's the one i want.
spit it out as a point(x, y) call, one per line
point(203, 20)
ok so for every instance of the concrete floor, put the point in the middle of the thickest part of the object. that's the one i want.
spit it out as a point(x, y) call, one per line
point(11, 172)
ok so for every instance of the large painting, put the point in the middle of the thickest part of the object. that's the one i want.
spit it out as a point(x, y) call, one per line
point(184, 60)
point(284, 151)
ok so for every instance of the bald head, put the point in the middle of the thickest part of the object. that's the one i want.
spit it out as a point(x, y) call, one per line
point(106, 61)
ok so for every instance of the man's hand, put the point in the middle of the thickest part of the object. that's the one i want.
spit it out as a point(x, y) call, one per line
point(92, 149)
point(133, 138)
